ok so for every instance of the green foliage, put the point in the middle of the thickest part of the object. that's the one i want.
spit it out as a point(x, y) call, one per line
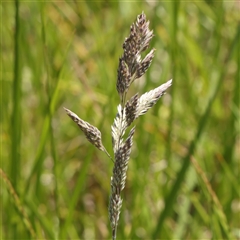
point(55, 185)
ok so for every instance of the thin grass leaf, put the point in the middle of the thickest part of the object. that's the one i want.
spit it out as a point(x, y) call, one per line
point(81, 181)
point(171, 197)
point(18, 204)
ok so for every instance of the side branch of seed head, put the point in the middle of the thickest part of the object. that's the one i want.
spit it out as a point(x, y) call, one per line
point(92, 134)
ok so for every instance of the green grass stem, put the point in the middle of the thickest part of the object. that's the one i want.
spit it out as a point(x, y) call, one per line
point(171, 197)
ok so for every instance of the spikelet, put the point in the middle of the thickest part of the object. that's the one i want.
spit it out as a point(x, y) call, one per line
point(137, 106)
point(131, 109)
point(118, 128)
point(92, 134)
point(148, 99)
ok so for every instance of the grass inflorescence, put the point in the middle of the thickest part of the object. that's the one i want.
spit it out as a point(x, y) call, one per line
point(179, 165)
point(131, 67)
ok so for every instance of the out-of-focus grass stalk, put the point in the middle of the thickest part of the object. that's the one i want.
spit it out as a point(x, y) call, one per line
point(174, 50)
point(52, 141)
point(73, 201)
point(48, 79)
point(16, 114)
point(47, 123)
point(45, 223)
point(18, 204)
point(231, 133)
point(228, 171)
point(39, 152)
point(171, 197)
point(217, 207)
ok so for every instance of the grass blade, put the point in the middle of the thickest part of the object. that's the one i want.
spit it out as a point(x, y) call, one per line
point(171, 197)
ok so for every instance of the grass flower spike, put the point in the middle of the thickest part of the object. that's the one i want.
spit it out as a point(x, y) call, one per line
point(131, 67)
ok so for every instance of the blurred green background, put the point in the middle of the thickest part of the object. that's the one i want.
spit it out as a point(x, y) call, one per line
point(183, 176)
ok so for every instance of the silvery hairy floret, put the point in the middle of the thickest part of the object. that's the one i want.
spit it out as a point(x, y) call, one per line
point(148, 99)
